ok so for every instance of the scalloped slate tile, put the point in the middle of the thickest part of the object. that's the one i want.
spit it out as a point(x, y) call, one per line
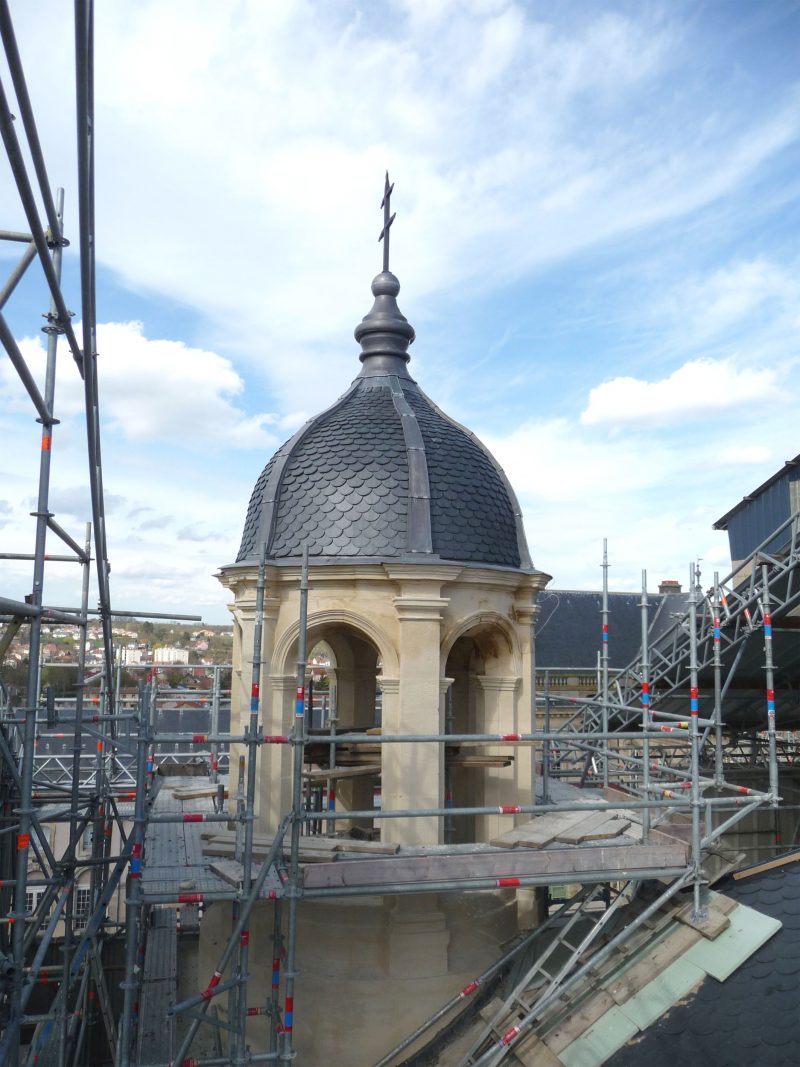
point(750, 1019)
point(344, 487)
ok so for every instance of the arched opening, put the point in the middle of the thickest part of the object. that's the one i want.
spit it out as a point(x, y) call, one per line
point(482, 675)
point(343, 667)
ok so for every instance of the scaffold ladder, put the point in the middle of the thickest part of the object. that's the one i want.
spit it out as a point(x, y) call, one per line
point(539, 986)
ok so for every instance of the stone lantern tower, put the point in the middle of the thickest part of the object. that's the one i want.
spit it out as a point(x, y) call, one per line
point(421, 585)
point(422, 589)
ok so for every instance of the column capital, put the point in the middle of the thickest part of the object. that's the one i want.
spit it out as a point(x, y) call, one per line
point(420, 609)
point(444, 684)
point(388, 685)
point(246, 609)
point(498, 683)
point(282, 682)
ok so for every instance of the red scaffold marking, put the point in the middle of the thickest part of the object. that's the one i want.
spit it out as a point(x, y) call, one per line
point(275, 739)
point(194, 816)
point(200, 738)
point(245, 938)
point(510, 737)
point(501, 882)
point(23, 841)
point(509, 809)
point(469, 989)
point(254, 691)
point(508, 1037)
point(47, 443)
point(190, 898)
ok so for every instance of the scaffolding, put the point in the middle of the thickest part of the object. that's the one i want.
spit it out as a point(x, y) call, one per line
point(640, 742)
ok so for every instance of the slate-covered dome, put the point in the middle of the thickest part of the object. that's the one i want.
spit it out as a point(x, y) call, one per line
point(383, 475)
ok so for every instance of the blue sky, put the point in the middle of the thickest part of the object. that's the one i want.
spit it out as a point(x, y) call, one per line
point(596, 236)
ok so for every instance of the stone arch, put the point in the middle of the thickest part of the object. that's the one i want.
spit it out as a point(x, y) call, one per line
point(485, 622)
point(360, 651)
point(284, 659)
point(482, 664)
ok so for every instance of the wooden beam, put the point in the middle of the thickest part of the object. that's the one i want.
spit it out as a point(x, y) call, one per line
point(323, 774)
point(770, 865)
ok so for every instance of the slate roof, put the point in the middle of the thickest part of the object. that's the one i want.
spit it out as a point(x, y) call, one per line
point(384, 474)
point(569, 629)
point(753, 1018)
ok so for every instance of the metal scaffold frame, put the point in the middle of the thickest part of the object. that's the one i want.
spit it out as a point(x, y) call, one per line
point(619, 734)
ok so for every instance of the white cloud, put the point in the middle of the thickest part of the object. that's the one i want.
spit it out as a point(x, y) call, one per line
point(705, 306)
point(246, 152)
point(653, 493)
point(156, 390)
point(553, 461)
point(691, 391)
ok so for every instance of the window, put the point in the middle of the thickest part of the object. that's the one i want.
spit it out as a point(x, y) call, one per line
point(32, 900)
point(86, 839)
point(83, 904)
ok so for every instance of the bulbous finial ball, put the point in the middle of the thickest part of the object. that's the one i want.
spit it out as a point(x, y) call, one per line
point(385, 284)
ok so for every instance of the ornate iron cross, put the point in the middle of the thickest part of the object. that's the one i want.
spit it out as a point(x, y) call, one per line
point(387, 220)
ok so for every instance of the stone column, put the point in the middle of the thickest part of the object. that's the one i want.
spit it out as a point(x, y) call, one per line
point(499, 783)
point(244, 611)
point(413, 774)
point(526, 611)
point(276, 761)
point(390, 763)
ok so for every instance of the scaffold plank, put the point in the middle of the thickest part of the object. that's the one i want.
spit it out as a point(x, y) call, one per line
point(156, 1042)
point(593, 828)
point(559, 864)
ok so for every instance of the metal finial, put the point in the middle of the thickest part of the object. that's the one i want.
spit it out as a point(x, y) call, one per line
point(387, 220)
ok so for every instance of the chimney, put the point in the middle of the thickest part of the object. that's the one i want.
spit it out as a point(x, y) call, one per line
point(669, 585)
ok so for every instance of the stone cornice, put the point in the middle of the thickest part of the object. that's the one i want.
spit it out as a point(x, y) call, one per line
point(430, 572)
point(241, 575)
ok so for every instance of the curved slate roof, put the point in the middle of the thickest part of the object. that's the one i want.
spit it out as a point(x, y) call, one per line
point(383, 474)
point(750, 1019)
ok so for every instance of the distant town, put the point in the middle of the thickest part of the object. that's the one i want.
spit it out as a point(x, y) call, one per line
point(183, 654)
